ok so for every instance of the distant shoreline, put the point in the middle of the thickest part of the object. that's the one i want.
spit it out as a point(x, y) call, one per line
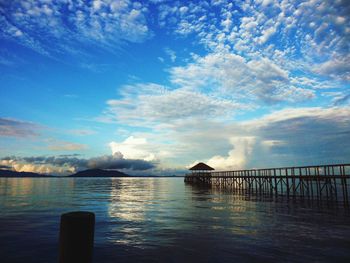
point(90, 173)
point(68, 176)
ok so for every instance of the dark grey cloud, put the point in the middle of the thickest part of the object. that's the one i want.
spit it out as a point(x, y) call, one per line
point(17, 128)
point(117, 162)
point(69, 155)
point(304, 140)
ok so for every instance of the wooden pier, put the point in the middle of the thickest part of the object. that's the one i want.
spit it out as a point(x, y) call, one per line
point(322, 182)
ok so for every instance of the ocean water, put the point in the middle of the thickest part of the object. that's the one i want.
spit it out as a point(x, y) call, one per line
point(165, 220)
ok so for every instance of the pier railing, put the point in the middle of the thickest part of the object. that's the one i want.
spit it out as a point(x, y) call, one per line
point(313, 182)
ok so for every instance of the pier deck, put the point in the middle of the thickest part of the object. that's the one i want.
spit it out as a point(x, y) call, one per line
point(320, 182)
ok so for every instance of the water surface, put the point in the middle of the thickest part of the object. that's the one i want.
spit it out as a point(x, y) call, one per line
point(164, 220)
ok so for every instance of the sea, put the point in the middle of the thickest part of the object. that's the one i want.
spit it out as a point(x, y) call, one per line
point(166, 220)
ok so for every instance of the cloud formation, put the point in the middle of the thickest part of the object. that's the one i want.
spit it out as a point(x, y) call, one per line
point(133, 148)
point(5, 167)
point(72, 25)
point(266, 84)
point(266, 59)
point(233, 76)
point(266, 49)
point(290, 137)
point(337, 68)
point(117, 161)
point(146, 104)
point(64, 165)
point(67, 146)
point(237, 157)
point(258, 54)
point(252, 27)
point(17, 128)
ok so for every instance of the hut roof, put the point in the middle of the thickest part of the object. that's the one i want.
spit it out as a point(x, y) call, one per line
point(201, 167)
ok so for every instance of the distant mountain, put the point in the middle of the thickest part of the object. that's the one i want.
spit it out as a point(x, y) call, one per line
point(9, 173)
point(99, 173)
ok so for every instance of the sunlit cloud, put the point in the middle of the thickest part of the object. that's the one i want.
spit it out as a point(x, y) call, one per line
point(236, 157)
point(283, 137)
point(64, 165)
point(67, 146)
point(133, 148)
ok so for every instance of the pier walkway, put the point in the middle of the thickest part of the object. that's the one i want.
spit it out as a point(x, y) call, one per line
point(330, 182)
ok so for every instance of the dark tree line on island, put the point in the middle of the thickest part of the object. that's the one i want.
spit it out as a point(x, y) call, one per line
point(85, 173)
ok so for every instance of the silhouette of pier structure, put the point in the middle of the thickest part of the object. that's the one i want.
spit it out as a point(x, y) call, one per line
point(321, 182)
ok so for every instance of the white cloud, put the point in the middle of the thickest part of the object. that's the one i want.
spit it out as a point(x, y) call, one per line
point(146, 104)
point(237, 157)
point(339, 98)
point(307, 31)
point(291, 136)
point(72, 24)
point(133, 148)
point(338, 68)
point(245, 65)
point(337, 114)
point(266, 34)
point(171, 53)
point(237, 77)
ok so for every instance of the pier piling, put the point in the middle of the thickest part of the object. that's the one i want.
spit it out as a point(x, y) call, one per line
point(322, 182)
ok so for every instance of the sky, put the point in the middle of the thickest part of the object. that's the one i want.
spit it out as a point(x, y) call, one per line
point(152, 87)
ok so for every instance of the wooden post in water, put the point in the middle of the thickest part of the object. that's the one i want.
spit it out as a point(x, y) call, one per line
point(345, 191)
point(309, 181)
point(76, 239)
point(287, 182)
point(335, 184)
point(275, 179)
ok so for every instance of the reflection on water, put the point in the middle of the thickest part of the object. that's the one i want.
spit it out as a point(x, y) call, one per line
point(164, 220)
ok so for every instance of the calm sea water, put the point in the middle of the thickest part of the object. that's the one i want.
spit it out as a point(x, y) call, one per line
point(164, 220)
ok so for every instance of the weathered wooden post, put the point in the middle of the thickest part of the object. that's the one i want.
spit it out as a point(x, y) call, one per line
point(76, 240)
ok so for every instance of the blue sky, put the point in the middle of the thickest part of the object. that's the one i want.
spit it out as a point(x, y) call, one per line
point(151, 87)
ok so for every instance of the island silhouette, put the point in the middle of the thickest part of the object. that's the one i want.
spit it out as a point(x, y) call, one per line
point(85, 173)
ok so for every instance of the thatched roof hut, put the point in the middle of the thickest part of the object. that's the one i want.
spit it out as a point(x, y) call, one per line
point(201, 167)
